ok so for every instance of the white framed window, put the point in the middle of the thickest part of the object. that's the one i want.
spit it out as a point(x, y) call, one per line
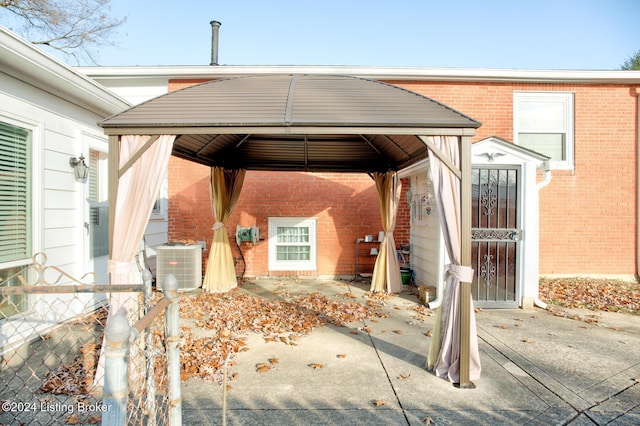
point(15, 193)
point(16, 224)
point(160, 209)
point(543, 122)
point(292, 244)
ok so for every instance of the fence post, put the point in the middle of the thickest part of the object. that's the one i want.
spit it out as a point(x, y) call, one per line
point(170, 290)
point(149, 350)
point(116, 374)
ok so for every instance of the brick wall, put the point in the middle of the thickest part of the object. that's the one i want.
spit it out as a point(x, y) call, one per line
point(588, 215)
point(345, 205)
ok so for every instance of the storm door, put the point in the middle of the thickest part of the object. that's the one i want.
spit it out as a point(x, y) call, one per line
point(495, 228)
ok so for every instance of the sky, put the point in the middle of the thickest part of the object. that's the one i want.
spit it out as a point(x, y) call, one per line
point(512, 34)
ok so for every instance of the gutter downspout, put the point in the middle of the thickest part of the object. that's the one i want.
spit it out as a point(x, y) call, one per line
point(435, 304)
point(637, 92)
point(544, 182)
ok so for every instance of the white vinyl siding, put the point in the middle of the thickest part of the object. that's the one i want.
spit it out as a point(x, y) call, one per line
point(15, 193)
point(427, 250)
point(292, 244)
point(543, 122)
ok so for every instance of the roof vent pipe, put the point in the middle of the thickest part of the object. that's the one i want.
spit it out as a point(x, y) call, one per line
point(215, 27)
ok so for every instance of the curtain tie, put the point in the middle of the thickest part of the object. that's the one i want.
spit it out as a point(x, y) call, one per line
point(119, 267)
point(218, 225)
point(461, 273)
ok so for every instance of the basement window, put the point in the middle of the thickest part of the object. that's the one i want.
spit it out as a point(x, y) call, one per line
point(292, 244)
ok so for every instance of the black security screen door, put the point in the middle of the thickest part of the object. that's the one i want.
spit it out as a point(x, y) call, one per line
point(495, 236)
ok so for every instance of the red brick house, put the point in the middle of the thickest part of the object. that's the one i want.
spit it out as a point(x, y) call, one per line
point(584, 122)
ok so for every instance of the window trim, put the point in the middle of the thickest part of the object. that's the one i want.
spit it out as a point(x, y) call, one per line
point(296, 265)
point(567, 100)
point(34, 205)
point(162, 201)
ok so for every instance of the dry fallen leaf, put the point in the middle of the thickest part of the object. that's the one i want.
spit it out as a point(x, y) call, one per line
point(398, 331)
point(73, 420)
point(428, 421)
point(341, 355)
point(378, 402)
point(503, 326)
point(262, 367)
point(403, 376)
point(527, 341)
point(316, 366)
point(273, 361)
point(428, 333)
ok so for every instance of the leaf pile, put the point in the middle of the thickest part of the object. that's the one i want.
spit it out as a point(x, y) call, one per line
point(75, 378)
point(595, 294)
point(233, 314)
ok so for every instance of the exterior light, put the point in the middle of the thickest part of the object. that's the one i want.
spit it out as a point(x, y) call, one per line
point(80, 168)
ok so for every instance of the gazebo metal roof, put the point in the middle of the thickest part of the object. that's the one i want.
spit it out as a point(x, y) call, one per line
point(295, 122)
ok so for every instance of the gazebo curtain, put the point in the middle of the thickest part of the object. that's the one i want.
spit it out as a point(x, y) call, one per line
point(444, 353)
point(386, 272)
point(138, 188)
point(226, 185)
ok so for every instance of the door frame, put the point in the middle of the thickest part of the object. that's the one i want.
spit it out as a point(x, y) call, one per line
point(496, 152)
point(517, 239)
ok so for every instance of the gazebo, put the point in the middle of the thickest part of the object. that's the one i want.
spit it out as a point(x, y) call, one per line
point(303, 122)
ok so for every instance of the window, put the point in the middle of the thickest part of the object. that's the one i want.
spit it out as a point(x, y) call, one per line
point(543, 122)
point(98, 205)
point(15, 211)
point(15, 193)
point(161, 205)
point(292, 244)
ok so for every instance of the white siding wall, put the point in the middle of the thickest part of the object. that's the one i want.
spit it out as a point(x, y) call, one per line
point(426, 242)
point(59, 131)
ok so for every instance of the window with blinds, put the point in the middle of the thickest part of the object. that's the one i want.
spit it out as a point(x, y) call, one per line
point(15, 193)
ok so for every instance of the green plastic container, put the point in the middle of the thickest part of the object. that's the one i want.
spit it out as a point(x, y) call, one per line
point(405, 274)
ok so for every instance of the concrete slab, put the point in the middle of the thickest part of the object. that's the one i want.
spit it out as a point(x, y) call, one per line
point(538, 369)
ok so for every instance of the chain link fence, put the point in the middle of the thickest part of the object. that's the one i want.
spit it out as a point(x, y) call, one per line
point(54, 358)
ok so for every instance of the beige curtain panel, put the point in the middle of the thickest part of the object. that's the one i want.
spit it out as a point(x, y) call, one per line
point(226, 185)
point(444, 352)
point(138, 189)
point(386, 272)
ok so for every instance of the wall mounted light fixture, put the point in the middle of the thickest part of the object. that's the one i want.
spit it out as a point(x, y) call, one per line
point(80, 168)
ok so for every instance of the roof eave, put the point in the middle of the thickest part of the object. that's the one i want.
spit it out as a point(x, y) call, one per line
point(374, 73)
point(25, 62)
point(464, 130)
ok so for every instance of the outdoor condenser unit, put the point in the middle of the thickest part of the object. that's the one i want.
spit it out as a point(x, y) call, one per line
point(184, 261)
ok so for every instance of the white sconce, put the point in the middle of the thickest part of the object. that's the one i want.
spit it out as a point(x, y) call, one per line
point(80, 168)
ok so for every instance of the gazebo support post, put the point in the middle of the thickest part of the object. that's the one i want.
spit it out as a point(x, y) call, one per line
point(114, 178)
point(465, 260)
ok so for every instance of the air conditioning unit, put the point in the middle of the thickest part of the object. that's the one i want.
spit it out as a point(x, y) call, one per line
point(184, 261)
